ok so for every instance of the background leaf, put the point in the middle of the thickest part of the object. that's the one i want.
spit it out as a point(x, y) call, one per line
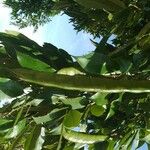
point(97, 110)
point(35, 139)
point(92, 62)
point(72, 119)
point(33, 63)
point(16, 129)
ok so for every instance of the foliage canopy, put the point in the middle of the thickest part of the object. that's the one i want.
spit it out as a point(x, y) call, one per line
point(42, 114)
point(93, 16)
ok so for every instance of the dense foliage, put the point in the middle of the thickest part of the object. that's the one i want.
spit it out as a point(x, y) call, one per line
point(98, 19)
point(41, 108)
point(27, 13)
point(44, 117)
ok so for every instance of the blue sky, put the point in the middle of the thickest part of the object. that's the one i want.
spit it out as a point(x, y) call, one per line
point(61, 33)
point(58, 32)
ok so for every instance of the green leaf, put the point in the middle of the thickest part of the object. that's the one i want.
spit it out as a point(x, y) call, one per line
point(81, 82)
point(123, 141)
point(75, 103)
point(124, 64)
point(69, 147)
point(3, 80)
point(102, 145)
point(18, 39)
point(110, 16)
point(104, 69)
point(18, 115)
point(147, 138)
point(51, 142)
point(2, 50)
point(58, 57)
point(145, 42)
point(128, 144)
point(54, 114)
point(111, 110)
point(5, 126)
point(72, 119)
point(100, 98)
point(4, 121)
point(15, 33)
point(113, 106)
point(16, 130)
point(57, 130)
point(136, 140)
point(109, 5)
point(97, 110)
point(50, 147)
point(35, 139)
point(148, 145)
point(32, 63)
point(11, 88)
point(65, 56)
point(34, 102)
point(111, 145)
point(93, 62)
point(69, 71)
point(17, 139)
point(79, 137)
point(4, 98)
point(118, 2)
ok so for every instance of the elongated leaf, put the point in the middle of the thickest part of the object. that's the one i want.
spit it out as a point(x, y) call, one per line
point(4, 80)
point(125, 139)
point(111, 112)
point(128, 144)
point(92, 62)
point(16, 130)
point(4, 121)
point(33, 63)
point(111, 145)
point(34, 102)
point(100, 98)
point(18, 116)
point(113, 106)
point(35, 139)
point(57, 130)
point(5, 126)
point(148, 145)
point(4, 98)
point(17, 139)
point(81, 82)
point(19, 39)
point(55, 114)
point(124, 64)
point(147, 138)
point(79, 137)
point(69, 71)
point(136, 140)
point(75, 103)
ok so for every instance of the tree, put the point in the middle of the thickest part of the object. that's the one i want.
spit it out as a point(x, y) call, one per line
point(107, 97)
point(35, 13)
point(57, 101)
point(96, 17)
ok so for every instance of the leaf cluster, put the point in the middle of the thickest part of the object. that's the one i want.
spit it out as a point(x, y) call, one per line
point(38, 117)
point(34, 116)
point(123, 18)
